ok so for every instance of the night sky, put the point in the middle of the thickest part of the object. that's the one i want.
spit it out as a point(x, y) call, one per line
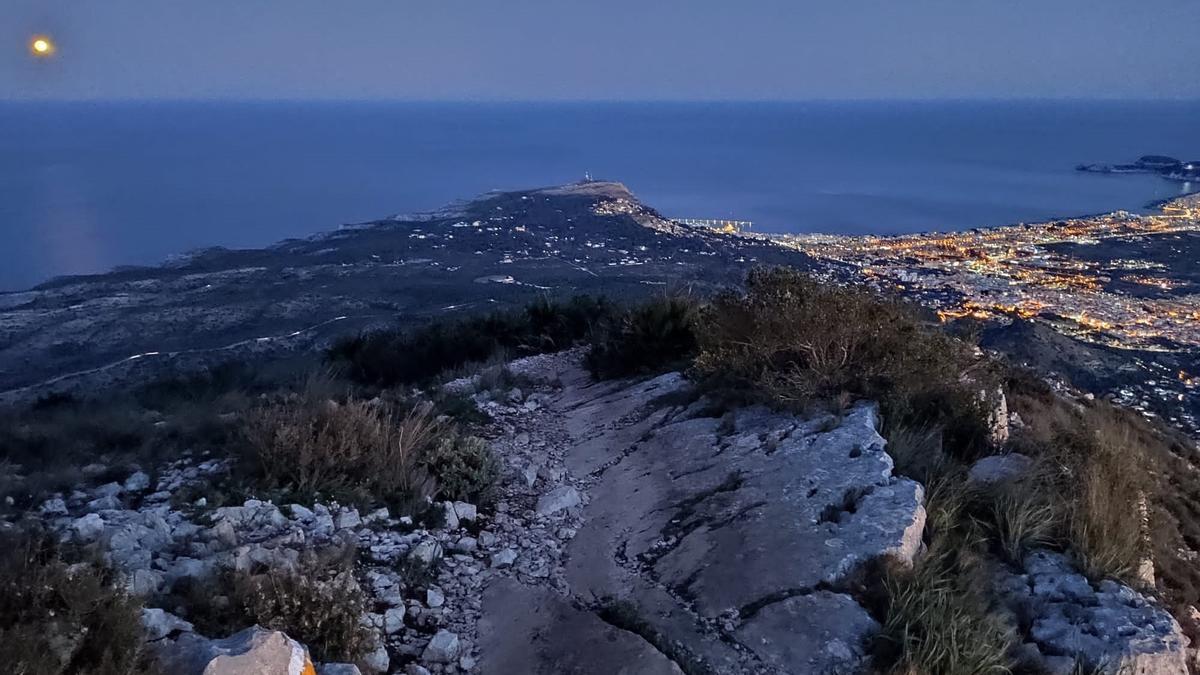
point(611, 49)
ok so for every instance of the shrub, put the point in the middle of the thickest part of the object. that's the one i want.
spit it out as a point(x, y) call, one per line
point(653, 337)
point(61, 618)
point(321, 607)
point(392, 357)
point(44, 446)
point(311, 446)
point(465, 468)
point(791, 340)
point(356, 450)
point(325, 614)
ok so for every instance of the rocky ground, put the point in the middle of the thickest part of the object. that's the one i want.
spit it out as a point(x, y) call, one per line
point(634, 531)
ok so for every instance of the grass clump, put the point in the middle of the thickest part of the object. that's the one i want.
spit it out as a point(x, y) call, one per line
point(310, 446)
point(935, 615)
point(937, 621)
point(1094, 474)
point(793, 341)
point(60, 618)
point(393, 357)
point(652, 337)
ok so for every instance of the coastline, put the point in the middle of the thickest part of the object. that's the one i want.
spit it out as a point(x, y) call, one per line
point(182, 258)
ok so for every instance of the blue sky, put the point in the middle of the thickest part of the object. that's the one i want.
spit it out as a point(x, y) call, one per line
point(602, 50)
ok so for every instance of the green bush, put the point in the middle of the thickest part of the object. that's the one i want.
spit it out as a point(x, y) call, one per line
point(652, 337)
point(389, 358)
point(58, 618)
point(464, 467)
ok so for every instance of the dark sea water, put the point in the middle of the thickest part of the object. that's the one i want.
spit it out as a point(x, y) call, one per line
point(84, 187)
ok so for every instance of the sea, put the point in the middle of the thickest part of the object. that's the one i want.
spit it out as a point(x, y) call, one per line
point(85, 187)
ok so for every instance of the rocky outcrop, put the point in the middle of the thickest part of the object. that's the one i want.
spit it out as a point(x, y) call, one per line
point(254, 651)
point(724, 540)
point(1105, 627)
point(634, 531)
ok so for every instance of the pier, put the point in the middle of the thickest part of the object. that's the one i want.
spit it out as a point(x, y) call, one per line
point(731, 226)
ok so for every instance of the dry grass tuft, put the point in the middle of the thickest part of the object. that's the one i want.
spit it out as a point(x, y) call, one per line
point(935, 616)
point(356, 450)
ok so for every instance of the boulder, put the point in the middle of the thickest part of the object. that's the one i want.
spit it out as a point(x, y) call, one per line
point(999, 468)
point(1106, 627)
point(54, 507)
point(558, 499)
point(138, 481)
point(504, 558)
point(88, 527)
point(468, 513)
point(377, 661)
point(158, 624)
point(442, 648)
point(254, 651)
point(428, 552)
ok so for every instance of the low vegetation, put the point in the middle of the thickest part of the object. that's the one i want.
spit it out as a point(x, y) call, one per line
point(652, 337)
point(311, 446)
point(417, 355)
point(321, 605)
point(64, 617)
point(790, 340)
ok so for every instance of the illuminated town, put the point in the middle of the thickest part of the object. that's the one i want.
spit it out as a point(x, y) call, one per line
point(1078, 276)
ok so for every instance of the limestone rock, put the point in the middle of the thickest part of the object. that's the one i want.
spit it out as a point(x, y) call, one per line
point(442, 648)
point(137, 482)
point(254, 651)
point(54, 507)
point(88, 527)
point(1107, 627)
point(558, 499)
point(821, 632)
point(568, 640)
point(504, 558)
point(999, 468)
point(158, 624)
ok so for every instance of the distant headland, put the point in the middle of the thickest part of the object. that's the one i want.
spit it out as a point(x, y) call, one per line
point(1167, 167)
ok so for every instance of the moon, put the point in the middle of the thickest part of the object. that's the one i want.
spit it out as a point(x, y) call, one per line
point(41, 46)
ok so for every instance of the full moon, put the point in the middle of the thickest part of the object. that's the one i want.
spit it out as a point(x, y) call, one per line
point(41, 46)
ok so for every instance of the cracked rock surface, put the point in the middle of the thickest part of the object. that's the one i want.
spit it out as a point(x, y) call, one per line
point(700, 543)
point(1105, 627)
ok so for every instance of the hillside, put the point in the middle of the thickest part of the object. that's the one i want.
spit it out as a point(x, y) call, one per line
point(499, 250)
point(729, 485)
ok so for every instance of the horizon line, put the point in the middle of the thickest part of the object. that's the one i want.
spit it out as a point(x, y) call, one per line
point(610, 101)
